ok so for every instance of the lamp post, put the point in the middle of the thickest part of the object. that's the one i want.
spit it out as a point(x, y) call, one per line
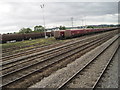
point(42, 7)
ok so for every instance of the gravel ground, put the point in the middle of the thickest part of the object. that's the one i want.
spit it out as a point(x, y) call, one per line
point(89, 75)
point(110, 78)
point(56, 79)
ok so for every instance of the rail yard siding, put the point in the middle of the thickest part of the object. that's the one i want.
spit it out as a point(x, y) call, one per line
point(110, 78)
point(56, 79)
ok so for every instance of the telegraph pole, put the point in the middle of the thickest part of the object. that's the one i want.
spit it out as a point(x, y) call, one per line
point(42, 7)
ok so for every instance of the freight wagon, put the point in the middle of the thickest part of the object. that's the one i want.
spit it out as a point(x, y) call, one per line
point(62, 34)
point(20, 37)
point(59, 34)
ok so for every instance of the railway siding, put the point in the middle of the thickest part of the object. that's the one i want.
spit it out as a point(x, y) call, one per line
point(55, 80)
point(91, 75)
point(22, 74)
point(53, 59)
point(110, 77)
point(39, 49)
point(37, 53)
point(50, 55)
point(26, 76)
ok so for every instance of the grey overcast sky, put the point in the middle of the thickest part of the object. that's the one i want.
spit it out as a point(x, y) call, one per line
point(15, 15)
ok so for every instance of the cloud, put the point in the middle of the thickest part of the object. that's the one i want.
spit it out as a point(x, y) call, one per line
point(61, 0)
point(16, 15)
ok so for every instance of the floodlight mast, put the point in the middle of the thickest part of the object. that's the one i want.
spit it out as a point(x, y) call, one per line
point(42, 7)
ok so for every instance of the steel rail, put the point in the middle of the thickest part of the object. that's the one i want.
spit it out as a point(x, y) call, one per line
point(106, 66)
point(16, 60)
point(26, 51)
point(42, 56)
point(72, 77)
point(23, 52)
point(38, 70)
point(29, 51)
point(42, 60)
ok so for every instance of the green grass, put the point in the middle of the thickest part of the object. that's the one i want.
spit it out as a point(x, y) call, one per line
point(30, 42)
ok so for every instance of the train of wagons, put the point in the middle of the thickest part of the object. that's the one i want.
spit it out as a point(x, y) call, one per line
point(59, 34)
point(63, 34)
point(19, 37)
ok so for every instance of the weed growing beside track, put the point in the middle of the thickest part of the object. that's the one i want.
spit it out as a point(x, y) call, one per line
point(10, 48)
point(28, 42)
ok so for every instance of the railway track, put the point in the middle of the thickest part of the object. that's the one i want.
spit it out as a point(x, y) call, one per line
point(17, 59)
point(11, 63)
point(25, 52)
point(43, 56)
point(20, 47)
point(33, 50)
point(9, 50)
point(38, 67)
point(70, 83)
point(13, 52)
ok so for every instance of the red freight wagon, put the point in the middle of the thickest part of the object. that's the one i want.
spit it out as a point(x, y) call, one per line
point(88, 30)
point(96, 30)
point(77, 32)
point(74, 33)
point(59, 34)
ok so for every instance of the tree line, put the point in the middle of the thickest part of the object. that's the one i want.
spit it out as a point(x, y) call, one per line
point(28, 30)
point(39, 28)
